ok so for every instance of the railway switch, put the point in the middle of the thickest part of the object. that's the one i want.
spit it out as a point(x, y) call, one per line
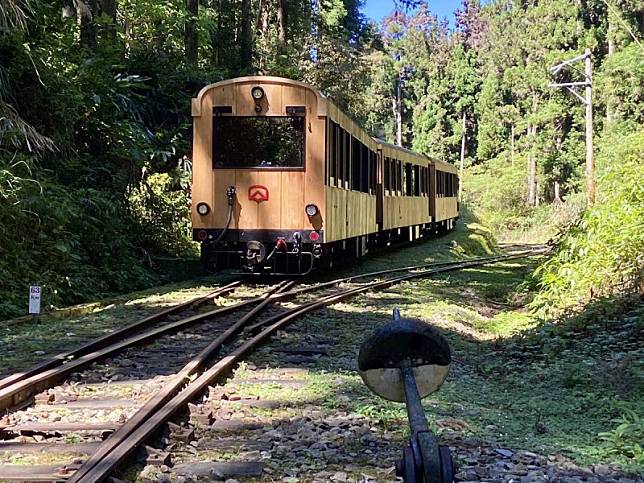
point(404, 361)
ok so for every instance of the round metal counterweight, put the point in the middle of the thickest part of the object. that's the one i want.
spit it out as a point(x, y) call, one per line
point(404, 343)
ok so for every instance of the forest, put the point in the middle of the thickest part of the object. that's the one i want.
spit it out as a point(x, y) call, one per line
point(95, 127)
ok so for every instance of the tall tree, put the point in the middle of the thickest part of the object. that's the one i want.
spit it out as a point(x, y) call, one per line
point(245, 36)
point(191, 40)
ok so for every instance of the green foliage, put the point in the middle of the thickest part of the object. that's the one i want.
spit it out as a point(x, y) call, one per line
point(602, 254)
point(161, 205)
point(626, 438)
point(64, 239)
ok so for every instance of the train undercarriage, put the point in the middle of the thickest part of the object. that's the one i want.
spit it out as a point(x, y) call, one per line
point(270, 252)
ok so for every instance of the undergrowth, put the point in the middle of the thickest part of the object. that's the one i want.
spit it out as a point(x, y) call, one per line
point(602, 254)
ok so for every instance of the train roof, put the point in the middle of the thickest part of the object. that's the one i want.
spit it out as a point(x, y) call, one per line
point(322, 110)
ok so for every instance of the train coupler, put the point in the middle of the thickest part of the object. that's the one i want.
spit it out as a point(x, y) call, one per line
point(405, 361)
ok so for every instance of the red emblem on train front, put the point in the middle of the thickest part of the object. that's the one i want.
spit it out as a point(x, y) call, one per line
point(258, 193)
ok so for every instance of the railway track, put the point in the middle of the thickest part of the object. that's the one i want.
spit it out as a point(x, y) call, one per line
point(139, 409)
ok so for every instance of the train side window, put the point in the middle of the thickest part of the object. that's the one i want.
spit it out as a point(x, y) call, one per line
point(408, 180)
point(438, 185)
point(422, 180)
point(394, 177)
point(404, 179)
point(426, 181)
point(364, 168)
point(331, 155)
point(386, 174)
point(338, 155)
point(341, 157)
point(355, 164)
point(373, 175)
point(346, 159)
point(399, 177)
point(416, 180)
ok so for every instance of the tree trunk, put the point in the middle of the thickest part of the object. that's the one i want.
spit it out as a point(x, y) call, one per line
point(398, 110)
point(68, 9)
point(532, 168)
point(190, 32)
point(610, 36)
point(281, 24)
point(557, 198)
point(86, 11)
point(512, 145)
point(460, 185)
point(216, 37)
point(245, 54)
point(109, 8)
point(590, 156)
point(536, 193)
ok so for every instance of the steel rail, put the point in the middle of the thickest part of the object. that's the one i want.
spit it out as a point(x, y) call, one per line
point(21, 390)
point(391, 270)
point(364, 287)
point(35, 379)
point(85, 472)
point(95, 344)
point(158, 414)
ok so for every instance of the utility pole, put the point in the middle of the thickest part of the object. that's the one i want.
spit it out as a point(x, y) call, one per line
point(587, 83)
point(460, 184)
point(590, 157)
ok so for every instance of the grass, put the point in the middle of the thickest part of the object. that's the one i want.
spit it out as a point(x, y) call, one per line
point(516, 380)
point(26, 343)
point(571, 387)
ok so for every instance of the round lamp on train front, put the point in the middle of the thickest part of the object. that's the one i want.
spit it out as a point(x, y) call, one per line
point(203, 209)
point(257, 93)
point(311, 209)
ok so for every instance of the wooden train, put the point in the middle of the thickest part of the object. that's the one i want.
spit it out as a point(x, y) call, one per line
point(284, 181)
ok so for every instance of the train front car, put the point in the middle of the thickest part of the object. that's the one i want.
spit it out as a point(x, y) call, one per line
point(258, 175)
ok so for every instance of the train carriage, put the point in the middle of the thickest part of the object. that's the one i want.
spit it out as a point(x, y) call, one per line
point(283, 180)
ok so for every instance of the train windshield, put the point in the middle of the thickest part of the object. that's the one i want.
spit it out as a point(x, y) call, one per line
point(258, 142)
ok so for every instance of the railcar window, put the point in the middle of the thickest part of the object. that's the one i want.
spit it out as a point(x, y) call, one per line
point(365, 171)
point(399, 177)
point(416, 177)
point(332, 155)
point(258, 142)
point(340, 153)
point(386, 173)
point(373, 168)
point(407, 179)
point(346, 159)
point(355, 164)
point(423, 180)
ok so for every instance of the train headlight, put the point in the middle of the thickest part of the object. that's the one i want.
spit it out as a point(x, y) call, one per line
point(311, 210)
point(203, 209)
point(257, 93)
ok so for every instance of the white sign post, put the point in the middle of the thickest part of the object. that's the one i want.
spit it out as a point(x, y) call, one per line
point(34, 299)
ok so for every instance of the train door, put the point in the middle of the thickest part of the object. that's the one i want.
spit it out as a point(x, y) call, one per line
point(379, 192)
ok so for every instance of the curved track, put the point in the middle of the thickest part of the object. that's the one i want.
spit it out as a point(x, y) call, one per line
point(229, 340)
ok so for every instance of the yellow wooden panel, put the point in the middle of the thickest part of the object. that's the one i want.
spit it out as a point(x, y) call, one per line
point(244, 179)
point(222, 96)
point(244, 100)
point(273, 104)
point(269, 212)
point(223, 179)
point(292, 209)
point(315, 155)
point(293, 96)
point(336, 219)
point(202, 173)
point(446, 208)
